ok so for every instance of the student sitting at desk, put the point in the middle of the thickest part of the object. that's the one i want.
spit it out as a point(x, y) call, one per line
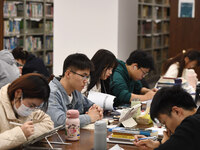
point(8, 68)
point(174, 108)
point(125, 81)
point(30, 63)
point(104, 62)
point(181, 64)
point(18, 104)
point(66, 92)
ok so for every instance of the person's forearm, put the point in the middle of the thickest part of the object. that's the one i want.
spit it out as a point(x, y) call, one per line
point(144, 90)
point(141, 97)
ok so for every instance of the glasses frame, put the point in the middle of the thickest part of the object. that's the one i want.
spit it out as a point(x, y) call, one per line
point(84, 77)
point(144, 73)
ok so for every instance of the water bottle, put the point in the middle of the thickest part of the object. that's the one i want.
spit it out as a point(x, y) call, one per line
point(100, 135)
point(134, 102)
point(72, 127)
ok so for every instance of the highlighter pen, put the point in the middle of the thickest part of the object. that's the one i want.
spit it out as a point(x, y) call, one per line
point(15, 123)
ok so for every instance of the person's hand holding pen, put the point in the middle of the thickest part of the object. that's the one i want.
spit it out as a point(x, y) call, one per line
point(143, 143)
point(28, 128)
point(154, 89)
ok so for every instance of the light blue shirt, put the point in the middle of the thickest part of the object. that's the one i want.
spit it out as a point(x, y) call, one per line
point(59, 103)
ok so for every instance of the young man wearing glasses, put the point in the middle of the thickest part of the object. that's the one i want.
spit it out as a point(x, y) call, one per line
point(125, 81)
point(65, 92)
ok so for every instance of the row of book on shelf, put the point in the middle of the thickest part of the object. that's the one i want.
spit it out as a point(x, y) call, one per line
point(49, 58)
point(166, 2)
point(32, 43)
point(146, 42)
point(10, 9)
point(12, 27)
point(49, 27)
point(33, 9)
point(155, 13)
point(158, 27)
point(49, 10)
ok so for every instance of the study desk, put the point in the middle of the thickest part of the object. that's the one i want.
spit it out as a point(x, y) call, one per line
point(86, 142)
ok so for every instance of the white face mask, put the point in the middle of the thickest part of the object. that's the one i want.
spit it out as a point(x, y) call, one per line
point(23, 110)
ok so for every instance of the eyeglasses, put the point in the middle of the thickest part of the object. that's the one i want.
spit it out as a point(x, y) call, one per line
point(84, 77)
point(33, 107)
point(144, 73)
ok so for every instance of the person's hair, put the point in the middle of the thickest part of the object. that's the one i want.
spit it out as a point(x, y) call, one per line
point(142, 58)
point(192, 54)
point(33, 85)
point(19, 53)
point(167, 97)
point(103, 59)
point(77, 61)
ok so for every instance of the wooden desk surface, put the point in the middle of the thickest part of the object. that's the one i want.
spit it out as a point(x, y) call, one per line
point(86, 142)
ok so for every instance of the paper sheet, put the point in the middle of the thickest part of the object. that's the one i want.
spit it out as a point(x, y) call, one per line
point(128, 113)
point(103, 100)
point(116, 147)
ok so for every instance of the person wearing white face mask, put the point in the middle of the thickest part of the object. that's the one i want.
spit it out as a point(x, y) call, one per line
point(18, 103)
point(23, 110)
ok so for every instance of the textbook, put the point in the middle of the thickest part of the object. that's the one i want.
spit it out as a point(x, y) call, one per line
point(133, 131)
point(104, 100)
point(119, 141)
point(121, 136)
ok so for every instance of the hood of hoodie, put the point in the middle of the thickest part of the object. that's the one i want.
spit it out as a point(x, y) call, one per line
point(6, 56)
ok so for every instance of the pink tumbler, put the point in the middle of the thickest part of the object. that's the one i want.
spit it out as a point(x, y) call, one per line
point(72, 127)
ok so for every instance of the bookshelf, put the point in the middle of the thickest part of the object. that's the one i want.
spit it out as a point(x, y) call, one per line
point(29, 24)
point(153, 31)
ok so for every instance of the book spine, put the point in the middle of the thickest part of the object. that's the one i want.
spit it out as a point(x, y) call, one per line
point(141, 132)
point(126, 131)
point(123, 136)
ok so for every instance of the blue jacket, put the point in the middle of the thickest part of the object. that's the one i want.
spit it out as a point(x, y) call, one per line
point(59, 104)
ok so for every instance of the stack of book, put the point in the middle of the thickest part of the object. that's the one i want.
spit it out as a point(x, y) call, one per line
point(169, 82)
point(126, 136)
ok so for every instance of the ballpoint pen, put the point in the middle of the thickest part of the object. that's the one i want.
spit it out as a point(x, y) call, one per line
point(15, 123)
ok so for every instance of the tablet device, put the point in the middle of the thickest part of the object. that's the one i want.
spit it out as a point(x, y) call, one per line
point(49, 133)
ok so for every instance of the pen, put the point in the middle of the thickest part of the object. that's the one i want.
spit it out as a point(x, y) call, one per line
point(146, 138)
point(15, 123)
point(150, 138)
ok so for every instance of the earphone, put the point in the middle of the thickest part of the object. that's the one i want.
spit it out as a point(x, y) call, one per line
point(134, 67)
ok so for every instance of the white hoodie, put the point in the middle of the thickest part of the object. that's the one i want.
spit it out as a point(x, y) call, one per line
point(8, 69)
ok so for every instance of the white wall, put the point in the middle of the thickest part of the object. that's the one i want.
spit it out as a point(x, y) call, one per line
point(88, 25)
point(127, 28)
